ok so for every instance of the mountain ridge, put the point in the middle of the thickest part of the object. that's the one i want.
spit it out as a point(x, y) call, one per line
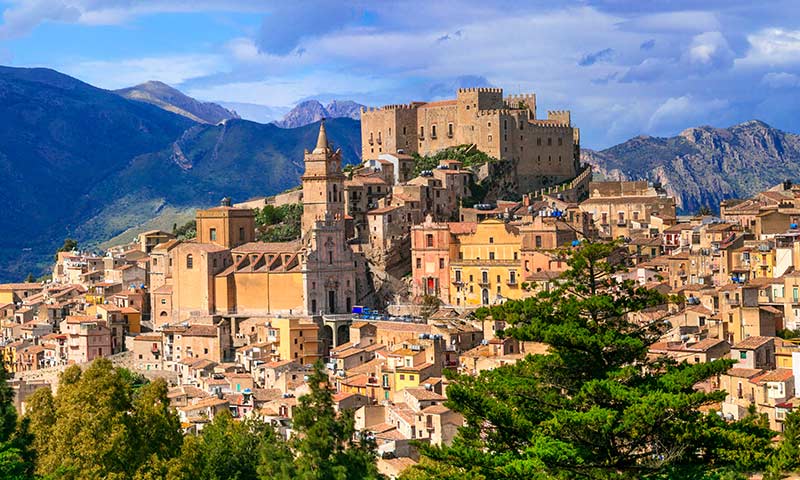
point(84, 162)
point(703, 165)
point(173, 100)
point(310, 111)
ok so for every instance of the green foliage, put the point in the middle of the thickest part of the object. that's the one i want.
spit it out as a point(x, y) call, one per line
point(97, 427)
point(279, 224)
point(15, 453)
point(430, 305)
point(787, 334)
point(69, 245)
point(187, 231)
point(594, 406)
point(227, 449)
point(326, 448)
point(468, 155)
point(787, 456)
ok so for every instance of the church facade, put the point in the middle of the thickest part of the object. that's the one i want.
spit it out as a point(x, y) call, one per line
point(224, 272)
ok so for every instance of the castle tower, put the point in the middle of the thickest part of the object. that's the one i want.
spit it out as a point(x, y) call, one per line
point(323, 182)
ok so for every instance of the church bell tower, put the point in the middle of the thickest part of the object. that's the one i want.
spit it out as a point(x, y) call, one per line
point(323, 183)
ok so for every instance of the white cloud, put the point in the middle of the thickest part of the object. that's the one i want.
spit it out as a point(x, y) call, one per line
point(781, 80)
point(672, 22)
point(172, 70)
point(773, 46)
point(681, 112)
point(710, 49)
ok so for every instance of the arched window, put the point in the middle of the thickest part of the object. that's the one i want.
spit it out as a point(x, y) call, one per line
point(189, 261)
point(163, 314)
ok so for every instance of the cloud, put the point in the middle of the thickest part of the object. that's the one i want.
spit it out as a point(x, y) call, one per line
point(677, 113)
point(781, 80)
point(773, 46)
point(600, 56)
point(672, 22)
point(284, 28)
point(648, 45)
point(710, 50)
point(170, 69)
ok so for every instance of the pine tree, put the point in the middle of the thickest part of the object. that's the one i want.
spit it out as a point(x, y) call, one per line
point(325, 445)
point(595, 406)
point(787, 457)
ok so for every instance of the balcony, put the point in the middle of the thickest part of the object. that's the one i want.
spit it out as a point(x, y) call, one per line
point(421, 137)
point(512, 282)
point(370, 141)
point(433, 136)
point(483, 283)
point(380, 141)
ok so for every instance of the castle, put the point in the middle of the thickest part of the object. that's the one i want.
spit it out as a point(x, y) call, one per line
point(225, 273)
point(545, 151)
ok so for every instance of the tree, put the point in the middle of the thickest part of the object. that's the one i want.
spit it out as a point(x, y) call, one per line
point(325, 447)
point(15, 455)
point(230, 449)
point(187, 231)
point(787, 457)
point(430, 305)
point(704, 210)
point(594, 406)
point(30, 278)
point(98, 427)
point(69, 245)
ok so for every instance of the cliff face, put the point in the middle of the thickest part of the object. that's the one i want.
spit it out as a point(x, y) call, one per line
point(704, 165)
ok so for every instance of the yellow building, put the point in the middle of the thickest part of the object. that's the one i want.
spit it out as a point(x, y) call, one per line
point(292, 338)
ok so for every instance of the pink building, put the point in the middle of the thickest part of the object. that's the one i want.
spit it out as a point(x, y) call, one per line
point(87, 338)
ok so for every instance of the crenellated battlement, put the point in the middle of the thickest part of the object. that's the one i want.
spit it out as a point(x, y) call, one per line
point(495, 111)
point(480, 90)
point(398, 106)
point(522, 97)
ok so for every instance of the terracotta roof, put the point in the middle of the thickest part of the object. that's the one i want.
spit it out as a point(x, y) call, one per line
point(201, 331)
point(265, 247)
point(743, 372)
point(753, 342)
point(461, 228)
point(420, 393)
point(778, 375)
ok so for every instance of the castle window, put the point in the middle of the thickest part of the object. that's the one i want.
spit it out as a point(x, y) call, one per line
point(467, 107)
point(539, 141)
point(491, 239)
point(549, 141)
point(490, 139)
point(330, 257)
point(241, 234)
point(214, 263)
point(404, 130)
point(433, 131)
point(491, 255)
point(421, 133)
point(212, 234)
point(419, 262)
point(450, 130)
point(560, 141)
point(441, 263)
point(515, 255)
point(538, 241)
point(505, 124)
point(490, 124)
point(189, 261)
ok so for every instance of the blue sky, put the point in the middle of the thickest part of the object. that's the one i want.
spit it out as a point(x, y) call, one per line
point(624, 68)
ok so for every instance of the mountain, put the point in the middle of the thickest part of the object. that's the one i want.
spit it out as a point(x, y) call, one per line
point(310, 111)
point(255, 112)
point(84, 162)
point(163, 96)
point(344, 109)
point(704, 165)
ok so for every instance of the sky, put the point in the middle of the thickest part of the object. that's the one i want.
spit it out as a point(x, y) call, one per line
point(624, 68)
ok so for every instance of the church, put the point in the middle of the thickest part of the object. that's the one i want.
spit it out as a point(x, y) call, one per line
point(226, 273)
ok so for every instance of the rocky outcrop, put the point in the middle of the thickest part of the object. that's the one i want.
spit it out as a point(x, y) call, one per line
point(704, 165)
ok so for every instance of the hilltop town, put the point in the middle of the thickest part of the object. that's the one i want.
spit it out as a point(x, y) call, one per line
point(394, 261)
